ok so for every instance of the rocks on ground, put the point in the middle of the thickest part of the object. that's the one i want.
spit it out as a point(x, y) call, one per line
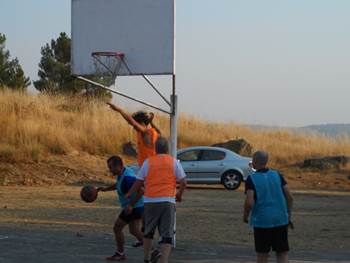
point(240, 146)
point(325, 163)
point(129, 149)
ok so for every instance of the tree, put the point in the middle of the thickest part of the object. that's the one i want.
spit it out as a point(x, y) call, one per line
point(11, 72)
point(54, 67)
point(55, 71)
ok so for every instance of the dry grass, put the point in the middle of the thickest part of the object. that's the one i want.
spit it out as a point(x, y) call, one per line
point(33, 127)
point(285, 146)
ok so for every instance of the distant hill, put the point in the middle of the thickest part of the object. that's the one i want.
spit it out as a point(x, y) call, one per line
point(331, 130)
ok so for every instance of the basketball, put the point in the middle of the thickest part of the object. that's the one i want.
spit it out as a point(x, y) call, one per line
point(88, 193)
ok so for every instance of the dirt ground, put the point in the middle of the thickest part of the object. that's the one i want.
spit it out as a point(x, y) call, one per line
point(52, 224)
point(76, 168)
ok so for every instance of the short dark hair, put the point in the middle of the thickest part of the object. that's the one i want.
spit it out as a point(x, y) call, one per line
point(260, 158)
point(162, 145)
point(141, 117)
point(115, 160)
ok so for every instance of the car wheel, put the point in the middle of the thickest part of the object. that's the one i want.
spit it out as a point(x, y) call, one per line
point(231, 180)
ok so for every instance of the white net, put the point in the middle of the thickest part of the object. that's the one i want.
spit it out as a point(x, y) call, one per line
point(107, 66)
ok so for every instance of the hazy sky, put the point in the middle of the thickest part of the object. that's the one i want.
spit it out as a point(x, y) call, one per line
point(255, 62)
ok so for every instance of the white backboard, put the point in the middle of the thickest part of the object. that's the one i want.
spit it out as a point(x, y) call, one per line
point(141, 29)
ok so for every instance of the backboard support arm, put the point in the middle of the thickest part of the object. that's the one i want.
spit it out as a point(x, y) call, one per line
point(147, 79)
point(123, 94)
point(155, 89)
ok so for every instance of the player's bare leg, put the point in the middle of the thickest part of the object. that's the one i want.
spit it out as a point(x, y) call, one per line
point(118, 233)
point(262, 257)
point(147, 248)
point(282, 257)
point(134, 229)
point(164, 252)
point(119, 239)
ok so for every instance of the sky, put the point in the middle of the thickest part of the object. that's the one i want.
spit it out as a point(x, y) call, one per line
point(271, 62)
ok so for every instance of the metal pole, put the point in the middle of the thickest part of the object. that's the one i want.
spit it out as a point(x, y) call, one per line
point(173, 135)
point(173, 121)
point(173, 112)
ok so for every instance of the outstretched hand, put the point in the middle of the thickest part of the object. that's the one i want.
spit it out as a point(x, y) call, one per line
point(178, 197)
point(112, 106)
point(128, 209)
point(290, 224)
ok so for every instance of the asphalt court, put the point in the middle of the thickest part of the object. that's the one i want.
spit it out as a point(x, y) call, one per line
point(37, 225)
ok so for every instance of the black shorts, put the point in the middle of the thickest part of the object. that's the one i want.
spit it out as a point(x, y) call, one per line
point(135, 214)
point(275, 238)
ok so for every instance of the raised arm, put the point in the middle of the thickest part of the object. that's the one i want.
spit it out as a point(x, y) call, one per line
point(128, 118)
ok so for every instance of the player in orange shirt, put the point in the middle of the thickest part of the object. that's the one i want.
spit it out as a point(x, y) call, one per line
point(147, 132)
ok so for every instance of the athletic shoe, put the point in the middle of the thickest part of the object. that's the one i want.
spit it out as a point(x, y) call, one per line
point(155, 256)
point(117, 256)
point(137, 244)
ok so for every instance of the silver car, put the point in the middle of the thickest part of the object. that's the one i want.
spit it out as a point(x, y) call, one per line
point(213, 165)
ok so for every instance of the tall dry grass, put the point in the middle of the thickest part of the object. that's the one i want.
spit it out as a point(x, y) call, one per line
point(35, 126)
point(32, 126)
point(285, 146)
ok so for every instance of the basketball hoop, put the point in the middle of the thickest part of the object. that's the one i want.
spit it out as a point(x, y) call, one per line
point(107, 65)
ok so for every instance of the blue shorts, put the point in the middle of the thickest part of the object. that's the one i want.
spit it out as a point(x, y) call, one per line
point(135, 214)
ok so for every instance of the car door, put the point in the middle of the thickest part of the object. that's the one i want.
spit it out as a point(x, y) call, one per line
point(210, 165)
point(189, 160)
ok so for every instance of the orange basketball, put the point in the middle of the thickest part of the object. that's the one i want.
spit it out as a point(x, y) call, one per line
point(88, 193)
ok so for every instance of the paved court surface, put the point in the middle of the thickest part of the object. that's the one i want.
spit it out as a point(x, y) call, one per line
point(35, 245)
point(41, 224)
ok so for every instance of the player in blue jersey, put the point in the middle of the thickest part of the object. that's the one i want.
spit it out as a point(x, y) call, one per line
point(270, 203)
point(132, 208)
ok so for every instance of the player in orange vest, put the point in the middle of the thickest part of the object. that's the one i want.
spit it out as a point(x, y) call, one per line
point(147, 132)
point(159, 175)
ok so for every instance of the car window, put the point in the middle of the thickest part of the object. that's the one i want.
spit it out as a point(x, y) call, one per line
point(212, 155)
point(189, 156)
